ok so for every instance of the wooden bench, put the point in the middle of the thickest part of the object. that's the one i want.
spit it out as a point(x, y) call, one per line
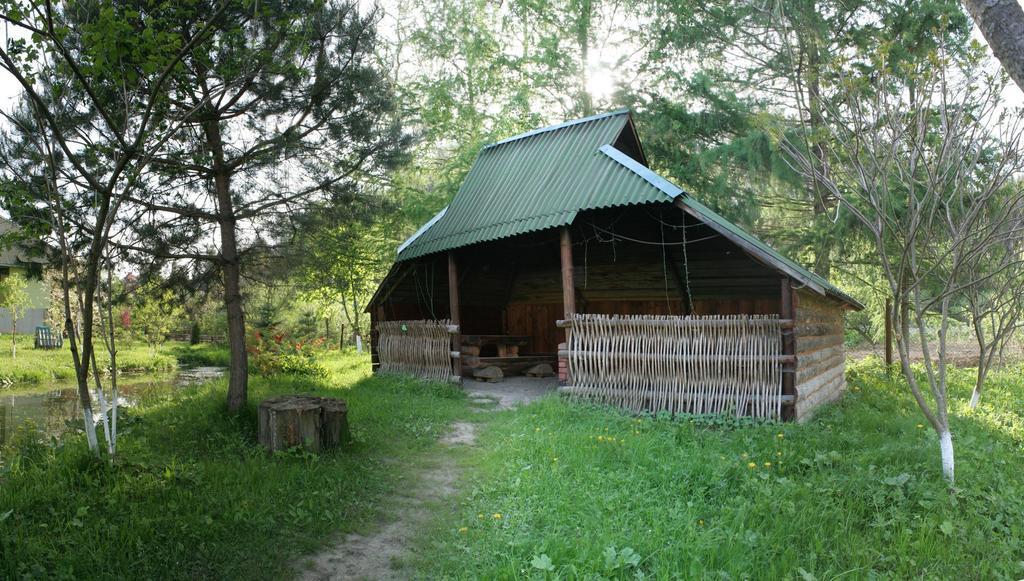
point(47, 339)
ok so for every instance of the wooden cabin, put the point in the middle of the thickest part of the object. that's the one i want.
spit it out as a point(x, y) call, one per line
point(562, 247)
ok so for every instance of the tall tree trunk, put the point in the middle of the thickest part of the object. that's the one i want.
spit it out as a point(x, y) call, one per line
point(1002, 24)
point(821, 201)
point(238, 378)
point(238, 371)
point(583, 25)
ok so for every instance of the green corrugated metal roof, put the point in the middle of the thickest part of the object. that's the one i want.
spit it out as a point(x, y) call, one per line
point(542, 179)
point(535, 181)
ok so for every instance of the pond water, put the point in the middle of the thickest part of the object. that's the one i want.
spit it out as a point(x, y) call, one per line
point(51, 410)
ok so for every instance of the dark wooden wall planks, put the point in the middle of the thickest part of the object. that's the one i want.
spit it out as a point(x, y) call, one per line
point(626, 261)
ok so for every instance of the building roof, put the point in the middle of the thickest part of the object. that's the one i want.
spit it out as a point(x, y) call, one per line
point(543, 178)
point(11, 253)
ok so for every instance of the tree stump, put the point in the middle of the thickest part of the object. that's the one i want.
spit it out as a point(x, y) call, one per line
point(315, 423)
point(540, 370)
point(490, 374)
point(334, 423)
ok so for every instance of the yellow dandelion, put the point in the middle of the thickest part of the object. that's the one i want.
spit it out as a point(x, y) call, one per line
point(700, 522)
point(497, 516)
point(481, 515)
point(767, 464)
point(463, 530)
point(743, 455)
point(555, 459)
point(536, 429)
point(752, 465)
point(779, 454)
point(600, 438)
point(920, 425)
point(780, 435)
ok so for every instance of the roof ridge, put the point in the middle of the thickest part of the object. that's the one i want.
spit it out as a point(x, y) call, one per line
point(562, 125)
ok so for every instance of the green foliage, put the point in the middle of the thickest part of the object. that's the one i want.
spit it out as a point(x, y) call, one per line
point(14, 298)
point(154, 314)
point(586, 492)
point(48, 366)
point(278, 355)
point(193, 495)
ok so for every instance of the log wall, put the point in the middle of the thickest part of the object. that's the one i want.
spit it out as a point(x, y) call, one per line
point(820, 373)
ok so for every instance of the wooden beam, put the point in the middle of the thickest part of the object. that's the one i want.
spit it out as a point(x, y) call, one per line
point(568, 285)
point(453, 307)
point(786, 311)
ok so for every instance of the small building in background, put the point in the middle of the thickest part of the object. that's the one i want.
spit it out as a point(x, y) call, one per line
point(563, 251)
point(14, 259)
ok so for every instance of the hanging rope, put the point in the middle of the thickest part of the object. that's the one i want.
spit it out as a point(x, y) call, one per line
point(686, 275)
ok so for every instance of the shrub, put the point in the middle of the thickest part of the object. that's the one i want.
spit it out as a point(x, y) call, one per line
point(270, 363)
point(279, 355)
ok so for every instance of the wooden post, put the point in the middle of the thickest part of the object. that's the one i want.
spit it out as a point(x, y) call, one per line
point(376, 316)
point(568, 298)
point(888, 335)
point(568, 286)
point(453, 307)
point(788, 349)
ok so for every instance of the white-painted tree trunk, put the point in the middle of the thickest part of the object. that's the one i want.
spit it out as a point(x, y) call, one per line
point(90, 429)
point(359, 344)
point(975, 396)
point(104, 410)
point(946, 447)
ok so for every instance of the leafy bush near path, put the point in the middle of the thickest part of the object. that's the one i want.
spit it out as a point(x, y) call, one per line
point(192, 495)
point(586, 492)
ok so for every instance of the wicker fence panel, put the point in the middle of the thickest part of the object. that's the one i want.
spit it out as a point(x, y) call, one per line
point(420, 348)
point(695, 364)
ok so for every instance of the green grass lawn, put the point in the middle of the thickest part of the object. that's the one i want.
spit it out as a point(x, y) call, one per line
point(552, 490)
point(560, 490)
point(36, 366)
point(192, 494)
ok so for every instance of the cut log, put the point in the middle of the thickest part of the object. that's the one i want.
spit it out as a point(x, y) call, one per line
point(509, 366)
point(490, 374)
point(540, 370)
point(315, 423)
point(289, 421)
point(334, 424)
point(470, 350)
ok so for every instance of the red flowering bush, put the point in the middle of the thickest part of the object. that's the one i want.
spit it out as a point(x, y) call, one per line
point(279, 355)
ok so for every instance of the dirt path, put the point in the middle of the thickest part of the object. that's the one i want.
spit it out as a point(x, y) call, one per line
point(380, 553)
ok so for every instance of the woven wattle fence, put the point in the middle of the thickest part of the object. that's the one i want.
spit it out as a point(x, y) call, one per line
point(420, 348)
point(697, 364)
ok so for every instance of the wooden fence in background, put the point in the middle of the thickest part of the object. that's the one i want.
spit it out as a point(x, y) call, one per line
point(420, 348)
point(693, 364)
